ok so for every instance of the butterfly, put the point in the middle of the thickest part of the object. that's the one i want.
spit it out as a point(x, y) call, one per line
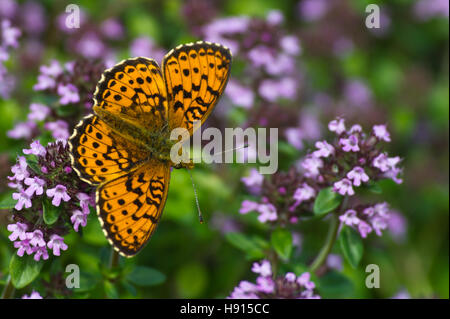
point(123, 148)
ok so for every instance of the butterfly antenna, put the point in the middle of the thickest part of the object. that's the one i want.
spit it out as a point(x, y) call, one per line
point(200, 216)
point(233, 149)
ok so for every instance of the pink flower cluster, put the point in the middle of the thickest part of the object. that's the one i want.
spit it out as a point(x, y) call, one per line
point(33, 242)
point(355, 149)
point(367, 219)
point(267, 48)
point(267, 285)
point(51, 180)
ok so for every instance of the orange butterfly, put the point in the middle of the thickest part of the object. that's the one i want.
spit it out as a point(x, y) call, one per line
point(124, 147)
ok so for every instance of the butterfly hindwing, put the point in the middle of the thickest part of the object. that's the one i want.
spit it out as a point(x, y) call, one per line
point(133, 90)
point(98, 153)
point(196, 75)
point(130, 206)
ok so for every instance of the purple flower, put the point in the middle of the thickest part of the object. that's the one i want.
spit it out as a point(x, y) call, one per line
point(53, 70)
point(337, 126)
point(294, 136)
point(364, 229)
point(275, 17)
point(290, 277)
point(38, 112)
point(44, 82)
point(33, 17)
point(305, 281)
point(381, 162)
point(35, 186)
point(397, 225)
point(267, 212)
point(357, 174)
point(334, 261)
point(58, 193)
point(303, 193)
point(40, 252)
point(56, 243)
point(23, 200)
point(59, 129)
point(428, 9)
point(311, 166)
point(239, 94)
point(355, 129)
point(23, 247)
point(264, 268)
point(312, 10)
point(357, 93)
point(112, 29)
point(36, 149)
point(349, 218)
point(78, 218)
point(8, 8)
point(22, 130)
point(10, 34)
point(248, 206)
point(323, 149)
point(381, 133)
point(68, 94)
point(20, 169)
point(145, 47)
point(254, 181)
point(290, 45)
point(18, 231)
point(33, 295)
point(344, 187)
point(90, 46)
point(36, 238)
point(349, 144)
point(265, 284)
point(379, 223)
point(85, 201)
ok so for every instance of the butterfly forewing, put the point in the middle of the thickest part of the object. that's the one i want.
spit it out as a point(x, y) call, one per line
point(133, 90)
point(99, 154)
point(196, 75)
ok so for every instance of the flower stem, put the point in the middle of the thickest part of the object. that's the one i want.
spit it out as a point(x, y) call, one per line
point(329, 242)
point(8, 290)
point(114, 261)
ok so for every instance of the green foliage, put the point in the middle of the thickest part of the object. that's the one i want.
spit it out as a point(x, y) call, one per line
point(24, 270)
point(326, 201)
point(351, 246)
point(281, 240)
point(145, 276)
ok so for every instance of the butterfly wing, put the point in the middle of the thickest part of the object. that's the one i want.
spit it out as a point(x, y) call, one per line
point(134, 91)
point(196, 75)
point(99, 154)
point(130, 206)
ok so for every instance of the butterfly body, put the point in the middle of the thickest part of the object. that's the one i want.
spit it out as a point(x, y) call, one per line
point(124, 147)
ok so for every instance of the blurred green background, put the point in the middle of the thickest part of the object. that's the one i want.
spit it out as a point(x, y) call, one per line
point(404, 67)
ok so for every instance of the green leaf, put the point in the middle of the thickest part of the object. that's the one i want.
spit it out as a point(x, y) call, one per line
point(32, 162)
point(326, 201)
point(351, 246)
point(24, 270)
point(50, 212)
point(335, 285)
point(253, 247)
point(281, 240)
point(145, 276)
point(111, 290)
point(7, 202)
point(129, 288)
point(375, 188)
